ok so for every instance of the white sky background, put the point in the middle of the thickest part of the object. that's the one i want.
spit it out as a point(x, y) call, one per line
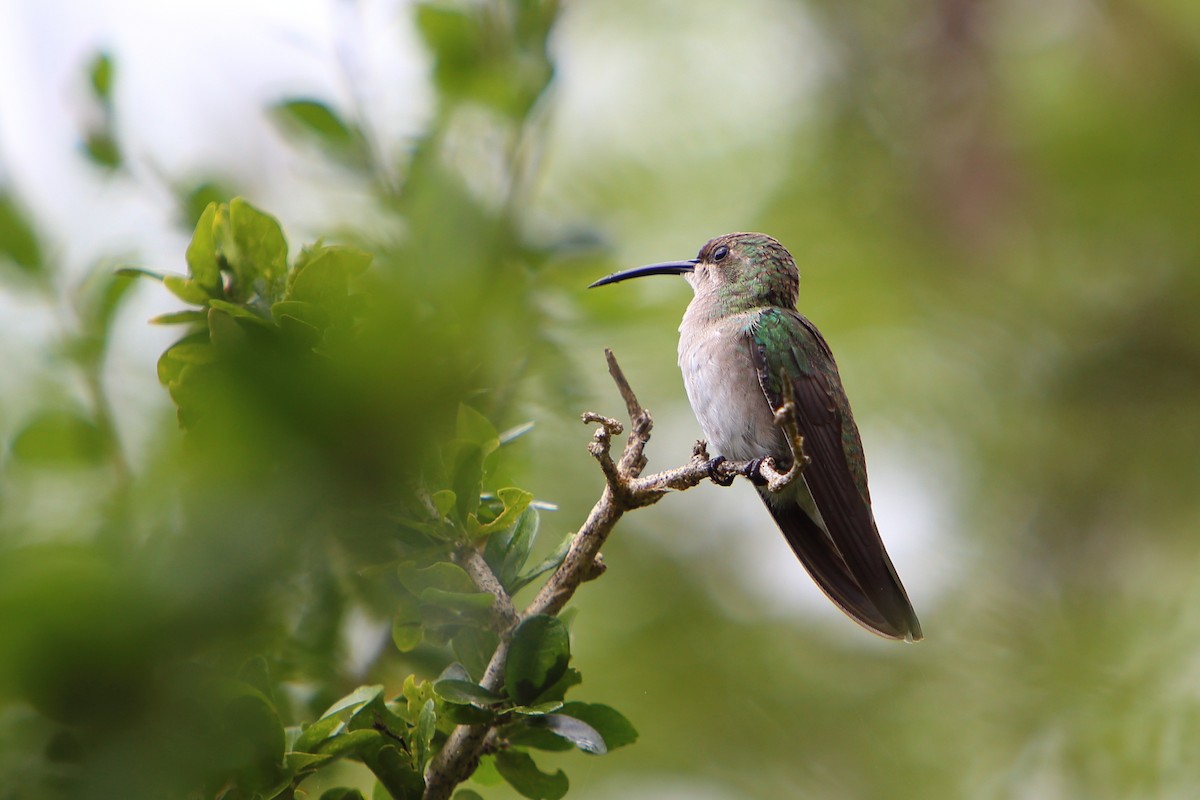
point(192, 80)
point(193, 77)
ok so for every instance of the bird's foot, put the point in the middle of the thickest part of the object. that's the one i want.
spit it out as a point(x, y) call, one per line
point(754, 471)
point(765, 472)
point(715, 476)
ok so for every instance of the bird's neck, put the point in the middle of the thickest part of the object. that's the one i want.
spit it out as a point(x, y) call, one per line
point(713, 304)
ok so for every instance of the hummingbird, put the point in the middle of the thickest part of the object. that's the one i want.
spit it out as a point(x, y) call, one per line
point(740, 339)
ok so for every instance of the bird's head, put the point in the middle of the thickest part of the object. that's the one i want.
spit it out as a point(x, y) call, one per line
point(738, 271)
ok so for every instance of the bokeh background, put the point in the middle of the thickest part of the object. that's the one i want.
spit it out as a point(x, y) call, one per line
point(994, 208)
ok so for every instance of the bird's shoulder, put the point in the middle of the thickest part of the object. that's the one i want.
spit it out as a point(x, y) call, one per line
point(787, 340)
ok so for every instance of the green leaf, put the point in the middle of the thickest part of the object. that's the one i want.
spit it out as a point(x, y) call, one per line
point(299, 762)
point(474, 647)
point(140, 272)
point(224, 332)
point(575, 731)
point(186, 289)
point(538, 709)
point(260, 248)
point(238, 312)
point(522, 734)
point(535, 738)
point(395, 771)
point(299, 331)
point(463, 692)
point(475, 427)
point(59, 438)
point(193, 353)
point(202, 261)
point(407, 632)
point(443, 501)
point(537, 658)
point(454, 38)
point(559, 689)
point(179, 318)
point(354, 261)
point(406, 636)
point(312, 735)
point(355, 700)
point(454, 671)
point(521, 542)
point(342, 793)
point(353, 743)
point(467, 794)
point(415, 695)
point(467, 478)
point(443, 575)
point(467, 714)
point(324, 278)
point(550, 562)
point(515, 502)
point(100, 74)
point(105, 297)
point(523, 775)
point(613, 727)
point(193, 349)
point(466, 602)
point(97, 302)
point(316, 119)
point(101, 148)
point(308, 313)
point(423, 735)
point(378, 715)
point(485, 774)
point(533, 23)
point(498, 545)
point(194, 200)
point(322, 282)
point(18, 241)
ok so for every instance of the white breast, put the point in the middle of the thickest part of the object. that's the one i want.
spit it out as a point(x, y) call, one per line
point(722, 385)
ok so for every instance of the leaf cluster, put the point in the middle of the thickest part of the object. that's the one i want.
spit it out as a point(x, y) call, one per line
point(329, 468)
point(254, 310)
point(395, 739)
point(435, 603)
point(244, 290)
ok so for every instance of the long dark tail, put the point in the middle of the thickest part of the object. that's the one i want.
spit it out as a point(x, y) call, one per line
point(884, 609)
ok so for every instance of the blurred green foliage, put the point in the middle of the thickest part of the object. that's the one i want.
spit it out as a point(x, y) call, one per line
point(992, 209)
point(329, 469)
point(100, 143)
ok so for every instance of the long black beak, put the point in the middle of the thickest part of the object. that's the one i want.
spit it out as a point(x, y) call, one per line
point(665, 268)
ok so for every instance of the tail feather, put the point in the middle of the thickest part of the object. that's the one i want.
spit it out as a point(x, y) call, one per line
point(828, 568)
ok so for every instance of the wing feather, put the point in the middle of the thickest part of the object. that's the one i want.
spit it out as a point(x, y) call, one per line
point(786, 346)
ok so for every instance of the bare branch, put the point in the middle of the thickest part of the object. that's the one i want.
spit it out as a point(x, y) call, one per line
point(625, 489)
point(601, 446)
point(477, 567)
point(632, 406)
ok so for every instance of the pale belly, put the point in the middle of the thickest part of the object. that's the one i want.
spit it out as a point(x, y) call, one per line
point(722, 385)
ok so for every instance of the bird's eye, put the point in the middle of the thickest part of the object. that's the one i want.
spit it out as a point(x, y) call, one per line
point(719, 253)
